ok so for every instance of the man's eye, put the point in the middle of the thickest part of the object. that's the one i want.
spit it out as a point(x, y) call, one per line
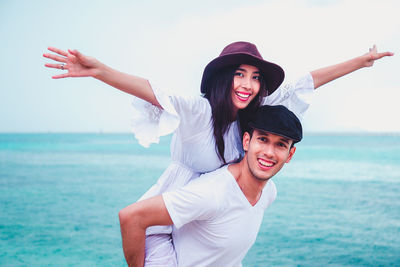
point(263, 139)
point(282, 144)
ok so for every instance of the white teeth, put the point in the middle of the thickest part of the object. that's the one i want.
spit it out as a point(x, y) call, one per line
point(266, 164)
point(243, 95)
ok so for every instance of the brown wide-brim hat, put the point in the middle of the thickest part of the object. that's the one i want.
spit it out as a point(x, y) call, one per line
point(244, 53)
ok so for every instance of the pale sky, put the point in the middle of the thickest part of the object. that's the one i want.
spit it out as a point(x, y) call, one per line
point(170, 43)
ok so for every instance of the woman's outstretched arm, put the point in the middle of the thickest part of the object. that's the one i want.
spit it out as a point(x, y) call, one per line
point(79, 65)
point(330, 73)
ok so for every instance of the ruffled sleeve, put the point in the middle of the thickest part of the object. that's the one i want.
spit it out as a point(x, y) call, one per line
point(149, 122)
point(296, 97)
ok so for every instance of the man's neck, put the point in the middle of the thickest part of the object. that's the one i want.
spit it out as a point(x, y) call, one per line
point(250, 185)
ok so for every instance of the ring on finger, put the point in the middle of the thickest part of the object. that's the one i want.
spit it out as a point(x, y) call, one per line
point(62, 66)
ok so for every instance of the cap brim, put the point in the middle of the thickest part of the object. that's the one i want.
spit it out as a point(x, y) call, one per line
point(274, 131)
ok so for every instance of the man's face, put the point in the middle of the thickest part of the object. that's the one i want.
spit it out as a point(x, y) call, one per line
point(266, 153)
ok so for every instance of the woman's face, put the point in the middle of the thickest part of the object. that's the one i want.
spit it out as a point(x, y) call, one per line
point(246, 85)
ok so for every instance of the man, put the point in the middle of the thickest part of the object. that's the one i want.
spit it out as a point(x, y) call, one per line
point(216, 217)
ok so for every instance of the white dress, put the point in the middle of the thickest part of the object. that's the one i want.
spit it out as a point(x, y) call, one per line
point(193, 149)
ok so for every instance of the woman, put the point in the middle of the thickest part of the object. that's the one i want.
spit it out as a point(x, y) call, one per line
point(207, 130)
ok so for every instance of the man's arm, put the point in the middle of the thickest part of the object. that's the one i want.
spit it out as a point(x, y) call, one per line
point(134, 220)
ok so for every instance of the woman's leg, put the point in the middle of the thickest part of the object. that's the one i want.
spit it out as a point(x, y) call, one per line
point(160, 251)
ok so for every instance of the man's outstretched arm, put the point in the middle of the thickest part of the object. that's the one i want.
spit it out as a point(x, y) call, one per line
point(134, 220)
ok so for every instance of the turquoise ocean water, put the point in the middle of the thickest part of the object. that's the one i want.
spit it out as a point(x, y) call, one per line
point(338, 200)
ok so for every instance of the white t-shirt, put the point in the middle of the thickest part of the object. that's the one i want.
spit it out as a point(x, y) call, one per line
point(214, 223)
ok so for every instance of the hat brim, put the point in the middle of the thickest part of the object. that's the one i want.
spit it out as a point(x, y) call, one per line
point(272, 73)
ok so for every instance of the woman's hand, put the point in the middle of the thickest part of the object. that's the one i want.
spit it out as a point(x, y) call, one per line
point(76, 64)
point(372, 55)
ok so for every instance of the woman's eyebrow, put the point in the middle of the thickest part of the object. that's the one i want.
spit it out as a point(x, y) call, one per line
point(255, 72)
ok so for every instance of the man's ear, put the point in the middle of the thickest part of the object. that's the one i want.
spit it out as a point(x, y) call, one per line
point(246, 141)
point(291, 153)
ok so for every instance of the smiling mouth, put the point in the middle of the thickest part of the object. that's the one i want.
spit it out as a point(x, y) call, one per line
point(264, 164)
point(242, 96)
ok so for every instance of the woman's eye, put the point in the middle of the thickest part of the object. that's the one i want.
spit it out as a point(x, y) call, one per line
point(239, 74)
point(256, 77)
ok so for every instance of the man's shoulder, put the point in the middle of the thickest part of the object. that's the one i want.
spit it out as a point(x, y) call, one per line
point(217, 174)
point(269, 193)
point(213, 181)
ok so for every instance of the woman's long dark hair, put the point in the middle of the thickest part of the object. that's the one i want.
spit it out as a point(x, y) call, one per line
point(219, 96)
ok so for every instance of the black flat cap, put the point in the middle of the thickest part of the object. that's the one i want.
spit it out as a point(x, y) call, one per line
point(278, 120)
